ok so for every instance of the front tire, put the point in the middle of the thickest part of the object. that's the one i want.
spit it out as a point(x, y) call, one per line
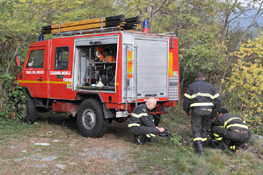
point(29, 110)
point(91, 122)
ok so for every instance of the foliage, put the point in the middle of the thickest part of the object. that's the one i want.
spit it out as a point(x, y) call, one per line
point(246, 81)
point(196, 25)
point(176, 139)
point(21, 19)
point(258, 129)
point(12, 98)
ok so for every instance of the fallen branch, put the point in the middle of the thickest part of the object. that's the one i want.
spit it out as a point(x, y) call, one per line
point(236, 166)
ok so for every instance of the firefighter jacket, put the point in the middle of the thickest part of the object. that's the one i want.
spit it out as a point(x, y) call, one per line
point(231, 122)
point(201, 94)
point(141, 117)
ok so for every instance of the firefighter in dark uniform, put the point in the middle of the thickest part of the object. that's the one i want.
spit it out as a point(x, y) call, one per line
point(200, 98)
point(141, 123)
point(230, 130)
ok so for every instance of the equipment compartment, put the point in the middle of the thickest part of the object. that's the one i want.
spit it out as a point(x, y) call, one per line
point(97, 67)
point(95, 63)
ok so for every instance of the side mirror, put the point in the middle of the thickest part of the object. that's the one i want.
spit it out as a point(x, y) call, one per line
point(18, 60)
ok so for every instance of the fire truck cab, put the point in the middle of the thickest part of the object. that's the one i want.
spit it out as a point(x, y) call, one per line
point(100, 77)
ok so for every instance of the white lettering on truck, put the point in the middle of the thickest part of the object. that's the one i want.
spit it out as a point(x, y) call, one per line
point(34, 72)
point(67, 79)
point(60, 72)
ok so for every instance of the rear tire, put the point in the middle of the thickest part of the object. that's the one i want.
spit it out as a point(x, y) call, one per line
point(90, 119)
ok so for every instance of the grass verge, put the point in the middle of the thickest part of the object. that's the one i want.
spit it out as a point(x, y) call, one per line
point(175, 154)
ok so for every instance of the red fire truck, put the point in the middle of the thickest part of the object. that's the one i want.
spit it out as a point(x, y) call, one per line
point(100, 75)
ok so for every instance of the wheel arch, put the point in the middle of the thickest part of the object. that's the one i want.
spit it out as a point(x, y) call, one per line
point(30, 95)
point(27, 91)
point(83, 96)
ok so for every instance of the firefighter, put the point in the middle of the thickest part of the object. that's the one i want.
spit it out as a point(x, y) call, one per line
point(200, 98)
point(230, 131)
point(142, 125)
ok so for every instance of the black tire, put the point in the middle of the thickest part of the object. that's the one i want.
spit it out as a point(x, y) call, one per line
point(91, 122)
point(29, 109)
point(157, 118)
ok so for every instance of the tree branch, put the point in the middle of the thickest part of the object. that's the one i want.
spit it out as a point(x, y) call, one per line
point(160, 7)
point(256, 17)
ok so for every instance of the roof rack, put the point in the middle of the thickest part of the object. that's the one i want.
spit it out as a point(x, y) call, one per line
point(103, 24)
point(92, 31)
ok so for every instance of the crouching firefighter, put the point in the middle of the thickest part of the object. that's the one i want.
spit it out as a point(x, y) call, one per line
point(142, 125)
point(229, 131)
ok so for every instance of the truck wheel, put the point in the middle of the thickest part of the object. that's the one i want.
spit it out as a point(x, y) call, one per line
point(90, 119)
point(29, 110)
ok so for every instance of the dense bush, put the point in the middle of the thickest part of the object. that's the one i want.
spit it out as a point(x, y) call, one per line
point(12, 98)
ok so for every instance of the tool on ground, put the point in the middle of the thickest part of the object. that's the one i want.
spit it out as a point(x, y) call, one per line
point(165, 133)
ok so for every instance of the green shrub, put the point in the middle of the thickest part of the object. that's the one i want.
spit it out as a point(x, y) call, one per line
point(12, 98)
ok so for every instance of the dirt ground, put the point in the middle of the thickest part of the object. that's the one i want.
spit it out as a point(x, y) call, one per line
point(55, 146)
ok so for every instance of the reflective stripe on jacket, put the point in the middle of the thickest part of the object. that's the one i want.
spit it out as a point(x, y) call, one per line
point(140, 116)
point(231, 122)
point(201, 94)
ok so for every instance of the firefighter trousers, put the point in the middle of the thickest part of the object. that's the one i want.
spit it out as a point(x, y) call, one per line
point(236, 138)
point(144, 130)
point(200, 123)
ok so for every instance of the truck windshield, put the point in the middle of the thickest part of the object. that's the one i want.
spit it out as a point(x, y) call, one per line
point(35, 59)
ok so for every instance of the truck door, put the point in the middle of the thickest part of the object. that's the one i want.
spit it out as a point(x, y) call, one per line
point(61, 69)
point(34, 75)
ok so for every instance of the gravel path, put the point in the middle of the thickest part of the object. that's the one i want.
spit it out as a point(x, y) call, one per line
point(58, 148)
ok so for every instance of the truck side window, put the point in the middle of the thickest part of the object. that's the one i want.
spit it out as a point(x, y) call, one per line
point(61, 57)
point(35, 59)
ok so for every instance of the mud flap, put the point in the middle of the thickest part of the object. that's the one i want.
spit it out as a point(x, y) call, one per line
point(107, 114)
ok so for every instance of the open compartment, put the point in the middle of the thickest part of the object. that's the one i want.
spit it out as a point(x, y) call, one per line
point(95, 64)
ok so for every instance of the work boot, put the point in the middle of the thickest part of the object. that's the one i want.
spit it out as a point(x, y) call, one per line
point(211, 141)
point(139, 139)
point(150, 139)
point(244, 146)
point(199, 147)
point(223, 145)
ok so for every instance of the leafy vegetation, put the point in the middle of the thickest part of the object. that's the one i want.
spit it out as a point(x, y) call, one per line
point(12, 98)
point(246, 82)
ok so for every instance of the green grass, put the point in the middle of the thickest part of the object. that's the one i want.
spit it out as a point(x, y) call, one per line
point(175, 154)
point(13, 126)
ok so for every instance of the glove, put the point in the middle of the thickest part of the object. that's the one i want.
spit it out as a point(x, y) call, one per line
point(164, 134)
